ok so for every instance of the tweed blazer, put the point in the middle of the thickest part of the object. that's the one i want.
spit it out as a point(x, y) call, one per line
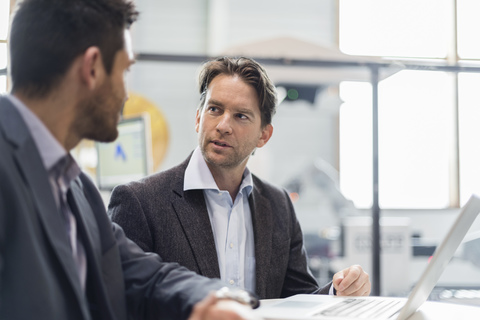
point(161, 217)
point(38, 277)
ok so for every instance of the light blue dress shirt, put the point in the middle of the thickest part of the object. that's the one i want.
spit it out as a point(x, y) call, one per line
point(231, 222)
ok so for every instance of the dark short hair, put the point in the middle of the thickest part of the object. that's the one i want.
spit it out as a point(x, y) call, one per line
point(47, 35)
point(251, 72)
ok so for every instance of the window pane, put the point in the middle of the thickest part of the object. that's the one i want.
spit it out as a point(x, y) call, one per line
point(414, 115)
point(414, 135)
point(467, 30)
point(408, 28)
point(356, 142)
point(469, 119)
point(4, 16)
point(3, 55)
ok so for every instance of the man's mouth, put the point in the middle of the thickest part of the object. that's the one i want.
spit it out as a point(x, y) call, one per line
point(221, 144)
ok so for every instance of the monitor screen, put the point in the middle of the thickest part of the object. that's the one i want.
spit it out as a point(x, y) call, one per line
point(128, 158)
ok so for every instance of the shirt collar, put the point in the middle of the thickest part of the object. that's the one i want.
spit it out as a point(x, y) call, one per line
point(66, 168)
point(198, 176)
point(51, 151)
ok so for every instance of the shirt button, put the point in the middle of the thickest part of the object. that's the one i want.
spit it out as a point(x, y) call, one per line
point(231, 282)
point(231, 245)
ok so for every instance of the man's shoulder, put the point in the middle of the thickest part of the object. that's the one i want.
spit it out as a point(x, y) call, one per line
point(273, 198)
point(12, 127)
point(173, 174)
point(166, 179)
point(265, 187)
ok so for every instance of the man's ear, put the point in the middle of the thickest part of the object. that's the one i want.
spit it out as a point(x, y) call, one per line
point(265, 136)
point(197, 120)
point(92, 68)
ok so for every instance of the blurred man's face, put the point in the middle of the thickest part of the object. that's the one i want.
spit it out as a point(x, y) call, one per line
point(103, 110)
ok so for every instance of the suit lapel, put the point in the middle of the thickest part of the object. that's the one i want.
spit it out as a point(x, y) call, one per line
point(193, 215)
point(263, 233)
point(90, 237)
point(191, 210)
point(36, 178)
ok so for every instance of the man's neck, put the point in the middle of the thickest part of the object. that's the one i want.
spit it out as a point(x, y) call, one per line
point(55, 114)
point(228, 179)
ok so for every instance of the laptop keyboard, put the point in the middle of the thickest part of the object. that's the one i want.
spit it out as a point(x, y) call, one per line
point(363, 308)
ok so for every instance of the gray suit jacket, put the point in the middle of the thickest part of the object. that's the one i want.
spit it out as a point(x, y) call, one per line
point(160, 217)
point(38, 278)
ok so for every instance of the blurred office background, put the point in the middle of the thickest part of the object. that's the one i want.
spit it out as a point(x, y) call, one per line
point(320, 54)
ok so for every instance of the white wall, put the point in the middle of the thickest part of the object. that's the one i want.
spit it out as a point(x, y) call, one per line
point(171, 26)
point(311, 20)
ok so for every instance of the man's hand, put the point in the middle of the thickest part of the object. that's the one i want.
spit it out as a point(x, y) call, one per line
point(212, 308)
point(352, 281)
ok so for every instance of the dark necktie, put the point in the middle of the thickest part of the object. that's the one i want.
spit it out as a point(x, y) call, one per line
point(78, 251)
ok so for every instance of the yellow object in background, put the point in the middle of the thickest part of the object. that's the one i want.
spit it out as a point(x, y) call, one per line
point(135, 106)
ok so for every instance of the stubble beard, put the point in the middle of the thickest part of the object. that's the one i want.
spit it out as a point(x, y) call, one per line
point(230, 161)
point(97, 121)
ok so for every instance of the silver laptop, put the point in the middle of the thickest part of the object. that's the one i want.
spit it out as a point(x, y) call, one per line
point(304, 306)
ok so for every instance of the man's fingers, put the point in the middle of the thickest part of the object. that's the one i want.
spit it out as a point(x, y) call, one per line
point(212, 308)
point(199, 309)
point(346, 277)
point(352, 281)
point(338, 278)
point(361, 287)
point(226, 309)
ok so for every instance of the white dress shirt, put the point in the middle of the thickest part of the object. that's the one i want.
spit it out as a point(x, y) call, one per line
point(231, 222)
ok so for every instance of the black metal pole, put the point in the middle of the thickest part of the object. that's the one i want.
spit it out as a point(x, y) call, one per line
point(375, 206)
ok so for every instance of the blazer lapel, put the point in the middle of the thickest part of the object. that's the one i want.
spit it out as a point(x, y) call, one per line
point(85, 219)
point(263, 233)
point(90, 237)
point(193, 215)
point(31, 167)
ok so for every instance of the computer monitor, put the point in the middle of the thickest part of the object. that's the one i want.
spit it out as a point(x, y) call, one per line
point(129, 157)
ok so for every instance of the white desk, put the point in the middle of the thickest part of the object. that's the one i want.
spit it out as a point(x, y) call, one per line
point(434, 311)
point(441, 310)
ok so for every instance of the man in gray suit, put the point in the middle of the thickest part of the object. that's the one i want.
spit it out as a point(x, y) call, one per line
point(60, 255)
point(211, 214)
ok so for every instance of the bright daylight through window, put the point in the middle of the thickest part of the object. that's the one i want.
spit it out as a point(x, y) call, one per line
point(415, 108)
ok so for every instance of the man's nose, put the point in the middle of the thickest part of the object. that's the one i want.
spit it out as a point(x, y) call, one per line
point(224, 124)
